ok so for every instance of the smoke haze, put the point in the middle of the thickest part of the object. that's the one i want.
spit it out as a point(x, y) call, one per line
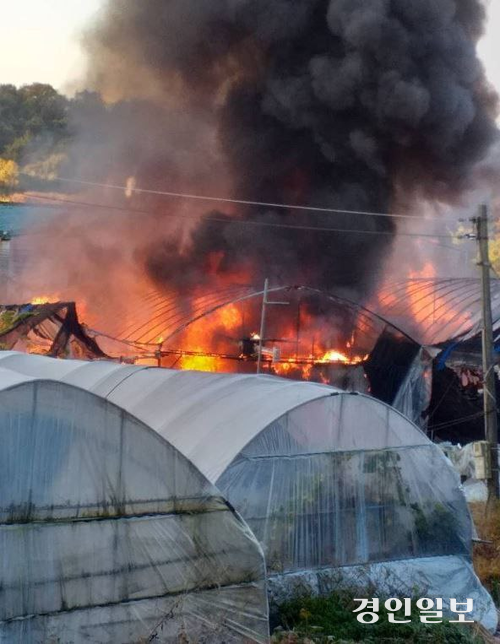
point(340, 103)
point(352, 104)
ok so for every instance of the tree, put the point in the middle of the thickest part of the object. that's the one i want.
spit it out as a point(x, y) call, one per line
point(10, 121)
point(44, 109)
point(495, 250)
point(9, 175)
point(30, 115)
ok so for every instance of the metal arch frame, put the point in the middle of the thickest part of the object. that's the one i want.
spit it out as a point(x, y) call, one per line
point(367, 313)
point(168, 306)
point(458, 288)
point(197, 310)
point(449, 290)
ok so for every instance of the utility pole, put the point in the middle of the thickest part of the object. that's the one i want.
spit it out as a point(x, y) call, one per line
point(297, 338)
point(489, 391)
point(262, 324)
point(265, 303)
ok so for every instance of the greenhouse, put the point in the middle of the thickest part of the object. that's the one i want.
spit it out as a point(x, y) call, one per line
point(337, 487)
point(108, 534)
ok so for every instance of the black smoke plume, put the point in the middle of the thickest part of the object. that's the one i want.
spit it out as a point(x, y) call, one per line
point(330, 103)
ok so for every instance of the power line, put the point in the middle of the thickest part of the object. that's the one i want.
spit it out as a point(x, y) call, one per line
point(243, 202)
point(240, 222)
point(129, 343)
point(458, 421)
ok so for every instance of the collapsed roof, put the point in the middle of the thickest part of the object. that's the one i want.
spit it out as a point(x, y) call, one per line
point(51, 329)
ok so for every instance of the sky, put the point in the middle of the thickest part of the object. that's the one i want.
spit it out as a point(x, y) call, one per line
point(41, 42)
point(489, 47)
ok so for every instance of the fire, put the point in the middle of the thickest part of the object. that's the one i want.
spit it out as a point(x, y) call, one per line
point(227, 340)
point(218, 333)
point(36, 350)
point(304, 367)
point(291, 367)
point(45, 299)
point(199, 363)
point(427, 308)
point(336, 356)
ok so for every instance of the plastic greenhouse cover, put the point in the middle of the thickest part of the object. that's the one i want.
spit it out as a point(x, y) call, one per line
point(345, 508)
point(328, 486)
point(414, 395)
point(326, 479)
point(108, 534)
point(198, 412)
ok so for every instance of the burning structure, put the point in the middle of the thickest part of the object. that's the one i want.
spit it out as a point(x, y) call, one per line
point(315, 120)
point(345, 110)
point(46, 328)
point(446, 318)
point(308, 335)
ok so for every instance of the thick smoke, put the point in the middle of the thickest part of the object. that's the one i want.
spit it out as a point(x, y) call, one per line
point(336, 103)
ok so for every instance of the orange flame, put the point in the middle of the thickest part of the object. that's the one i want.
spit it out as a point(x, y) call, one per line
point(304, 367)
point(336, 356)
point(45, 299)
point(199, 363)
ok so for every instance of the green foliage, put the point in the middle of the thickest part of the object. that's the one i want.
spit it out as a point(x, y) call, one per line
point(331, 619)
point(38, 126)
point(9, 173)
point(436, 529)
point(43, 108)
point(15, 149)
point(10, 121)
point(46, 168)
point(29, 114)
point(9, 318)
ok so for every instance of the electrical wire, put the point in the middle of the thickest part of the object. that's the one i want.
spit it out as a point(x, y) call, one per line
point(244, 202)
point(239, 222)
point(458, 421)
point(96, 333)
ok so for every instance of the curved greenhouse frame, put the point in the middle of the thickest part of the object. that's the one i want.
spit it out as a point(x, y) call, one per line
point(442, 308)
point(337, 487)
point(108, 534)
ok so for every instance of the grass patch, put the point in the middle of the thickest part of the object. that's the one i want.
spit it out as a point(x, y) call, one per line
point(331, 619)
point(487, 555)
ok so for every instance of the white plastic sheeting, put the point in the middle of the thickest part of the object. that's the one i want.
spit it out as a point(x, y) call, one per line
point(314, 508)
point(475, 490)
point(108, 534)
point(211, 417)
point(208, 417)
point(325, 479)
point(414, 395)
